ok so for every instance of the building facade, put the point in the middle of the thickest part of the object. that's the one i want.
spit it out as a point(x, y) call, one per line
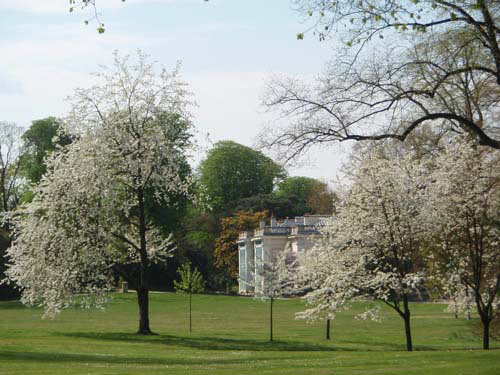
point(260, 245)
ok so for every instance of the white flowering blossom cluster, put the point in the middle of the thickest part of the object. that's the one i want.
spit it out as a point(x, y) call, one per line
point(89, 215)
point(403, 221)
point(371, 247)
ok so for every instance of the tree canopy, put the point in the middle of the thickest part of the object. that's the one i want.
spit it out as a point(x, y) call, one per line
point(232, 171)
point(309, 195)
point(38, 143)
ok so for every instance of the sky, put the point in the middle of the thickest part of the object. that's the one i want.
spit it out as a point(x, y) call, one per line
point(228, 50)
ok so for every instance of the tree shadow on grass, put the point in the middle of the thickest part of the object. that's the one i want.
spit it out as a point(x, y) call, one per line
point(48, 357)
point(235, 344)
point(389, 346)
point(12, 305)
point(211, 343)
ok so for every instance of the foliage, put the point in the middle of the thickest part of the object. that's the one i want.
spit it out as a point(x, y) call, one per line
point(310, 196)
point(321, 199)
point(232, 171)
point(294, 196)
point(226, 248)
point(89, 215)
point(39, 140)
point(191, 280)
point(279, 207)
point(367, 19)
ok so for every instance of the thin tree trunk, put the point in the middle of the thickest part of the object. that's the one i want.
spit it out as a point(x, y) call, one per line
point(328, 329)
point(485, 319)
point(406, 318)
point(190, 326)
point(271, 321)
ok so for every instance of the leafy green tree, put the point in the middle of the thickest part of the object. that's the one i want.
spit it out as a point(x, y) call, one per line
point(39, 141)
point(232, 171)
point(310, 196)
point(280, 207)
point(191, 282)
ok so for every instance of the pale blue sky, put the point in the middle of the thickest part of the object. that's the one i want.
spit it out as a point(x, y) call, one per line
point(228, 49)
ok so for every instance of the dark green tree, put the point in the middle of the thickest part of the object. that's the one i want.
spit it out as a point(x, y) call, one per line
point(232, 171)
point(191, 282)
point(39, 142)
point(309, 195)
point(279, 207)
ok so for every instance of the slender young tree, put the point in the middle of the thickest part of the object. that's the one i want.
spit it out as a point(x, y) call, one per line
point(191, 282)
point(273, 279)
point(89, 217)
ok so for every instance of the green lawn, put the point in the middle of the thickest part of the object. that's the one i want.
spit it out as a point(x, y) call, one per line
point(230, 337)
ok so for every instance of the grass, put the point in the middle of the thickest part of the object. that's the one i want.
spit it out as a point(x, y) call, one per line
point(230, 337)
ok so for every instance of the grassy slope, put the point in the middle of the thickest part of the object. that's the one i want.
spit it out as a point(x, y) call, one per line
point(230, 337)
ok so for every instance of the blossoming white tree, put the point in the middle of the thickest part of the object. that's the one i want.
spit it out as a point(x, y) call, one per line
point(463, 213)
point(89, 217)
point(371, 248)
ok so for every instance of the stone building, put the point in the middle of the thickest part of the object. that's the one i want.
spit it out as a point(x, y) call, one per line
point(260, 245)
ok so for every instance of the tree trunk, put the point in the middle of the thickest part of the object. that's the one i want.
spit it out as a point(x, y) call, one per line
point(271, 321)
point(143, 301)
point(328, 329)
point(486, 332)
point(485, 316)
point(142, 288)
point(190, 326)
point(406, 318)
